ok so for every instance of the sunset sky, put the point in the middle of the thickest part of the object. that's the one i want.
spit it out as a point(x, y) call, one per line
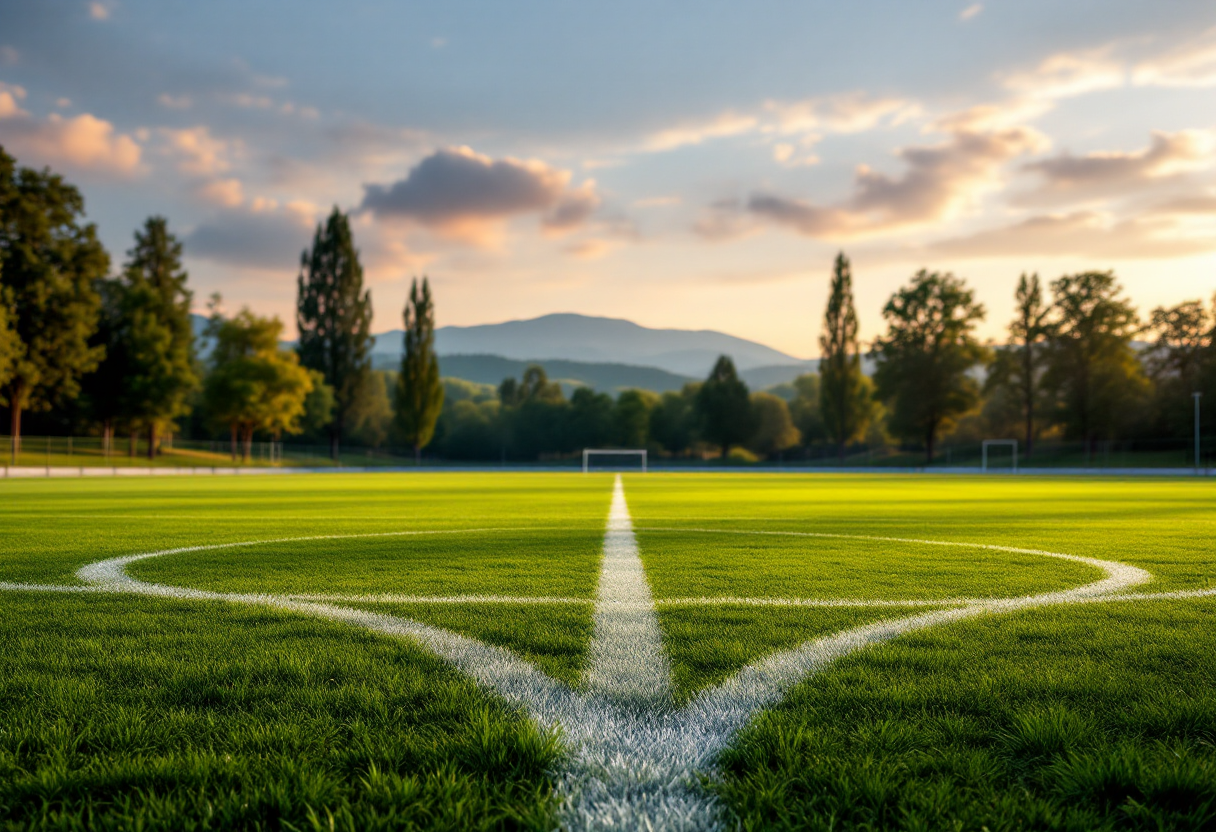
point(691, 165)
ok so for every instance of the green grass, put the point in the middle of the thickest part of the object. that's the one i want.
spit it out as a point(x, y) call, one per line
point(127, 712)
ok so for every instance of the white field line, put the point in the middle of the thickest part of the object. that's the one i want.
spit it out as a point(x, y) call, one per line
point(1173, 595)
point(626, 661)
point(620, 773)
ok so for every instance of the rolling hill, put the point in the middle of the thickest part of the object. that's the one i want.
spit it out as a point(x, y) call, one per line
point(583, 338)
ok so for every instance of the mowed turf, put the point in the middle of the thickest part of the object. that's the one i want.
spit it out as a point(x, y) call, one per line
point(121, 712)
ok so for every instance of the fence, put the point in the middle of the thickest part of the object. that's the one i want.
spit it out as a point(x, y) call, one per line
point(88, 451)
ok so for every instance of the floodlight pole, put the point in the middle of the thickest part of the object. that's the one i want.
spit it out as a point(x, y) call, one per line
point(1196, 397)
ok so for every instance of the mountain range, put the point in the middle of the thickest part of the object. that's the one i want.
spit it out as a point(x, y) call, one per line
point(598, 340)
point(606, 354)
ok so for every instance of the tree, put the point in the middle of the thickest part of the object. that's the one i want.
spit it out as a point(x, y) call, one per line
point(1183, 343)
point(805, 406)
point(673, 421)
point(10, 343)
point(419, 390)
point(1182, 361)
point(535, 386)
point(592, 417)
point(924, 359)
point(253, 384)
point(1018, 367)
point(334, 315)
point(775, 429)
point(1091, 368)
point(318, 406)
point(161, 353)
point(724, 407)
point(844, 402)
point(632, 417)
point(49, 265)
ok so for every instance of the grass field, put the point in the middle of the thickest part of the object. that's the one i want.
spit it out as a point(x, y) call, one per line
point(276, 690)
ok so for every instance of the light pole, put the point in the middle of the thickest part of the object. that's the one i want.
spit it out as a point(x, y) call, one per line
point(1196, 397)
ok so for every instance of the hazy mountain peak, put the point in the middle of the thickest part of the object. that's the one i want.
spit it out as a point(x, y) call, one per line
point(570, 336)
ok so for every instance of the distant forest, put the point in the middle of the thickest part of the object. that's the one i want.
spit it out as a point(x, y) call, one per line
point(90, 349)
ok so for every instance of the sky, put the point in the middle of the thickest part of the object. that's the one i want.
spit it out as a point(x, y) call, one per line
point(680, 164)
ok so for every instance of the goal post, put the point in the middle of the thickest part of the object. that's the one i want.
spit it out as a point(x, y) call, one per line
point(588, 453)
point(1011, 443)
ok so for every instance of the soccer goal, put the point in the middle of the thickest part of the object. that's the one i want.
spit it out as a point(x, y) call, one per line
point(590, 453)
point(1010, 443)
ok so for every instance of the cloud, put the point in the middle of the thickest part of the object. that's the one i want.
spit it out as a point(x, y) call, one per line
point(1167, 155)
point(464, 194)
point(853, 112)
point(1083, 234)
point(174, 102)
point(592, 249)
point(573, 209)
point(938, 181)
point(228, 193)
point(84, 141)
point(198, 153)
point(1070, 74)
point(99, 11)
point(1190, 65)
point(657, 201)
point(10, 94)
point(262, 236)
point(725, 219)
point(971, 11)
point(693, 133)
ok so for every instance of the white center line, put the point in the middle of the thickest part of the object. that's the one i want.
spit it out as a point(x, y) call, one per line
point(626, 660)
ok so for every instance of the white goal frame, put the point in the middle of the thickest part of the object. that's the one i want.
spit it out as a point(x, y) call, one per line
point(587, 452)
point(999, 442)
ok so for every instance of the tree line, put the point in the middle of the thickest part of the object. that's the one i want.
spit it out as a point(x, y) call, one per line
point(118, 354)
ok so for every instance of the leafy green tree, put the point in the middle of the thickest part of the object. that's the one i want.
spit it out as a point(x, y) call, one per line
point(50, 263)
point(805, 406)
point(10, 343)
point(1092, 371)
point(253, 384)
point(161, 351)
point(318, 406)
point(419, 390)
point(1183, 343)
point(592, 417)
point(725, 407)
point(1182, 361)
point(1018, 368)
point(333, 316)
point(924, 359)
point(775, 431)
point(371, 419)
point(535, 386)
point(845, 404)
point(632, 417)
point(673, 421)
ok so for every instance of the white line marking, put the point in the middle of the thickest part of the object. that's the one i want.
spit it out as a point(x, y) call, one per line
point(626, 661)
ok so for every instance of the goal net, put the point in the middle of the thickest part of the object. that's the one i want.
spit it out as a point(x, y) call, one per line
point(1006, 449)
point(601, 459)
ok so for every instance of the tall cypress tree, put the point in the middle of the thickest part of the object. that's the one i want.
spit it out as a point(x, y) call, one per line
point(725, 407)
point(334, 316)
point(159, 331)
point(50, 263)
point(419, 390)
point(844, 400)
